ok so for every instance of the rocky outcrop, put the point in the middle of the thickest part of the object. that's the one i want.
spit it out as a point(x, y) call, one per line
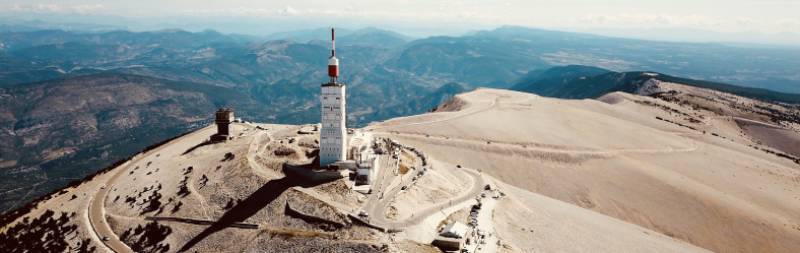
point(649, 87)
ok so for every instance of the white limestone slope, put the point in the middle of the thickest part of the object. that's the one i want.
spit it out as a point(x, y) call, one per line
point(619, 160)
point(619, 174)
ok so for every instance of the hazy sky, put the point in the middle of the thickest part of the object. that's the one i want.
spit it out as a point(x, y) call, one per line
point(775, 20)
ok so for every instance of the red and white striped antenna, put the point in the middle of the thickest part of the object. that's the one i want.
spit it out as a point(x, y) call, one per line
point(333, 62)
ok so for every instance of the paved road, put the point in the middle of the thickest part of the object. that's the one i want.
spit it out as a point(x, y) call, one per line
point(767, 124)
point(691, 146)
point(461, 114)
point(377, 207)
point(256, 148)
point(390, 183)
point(476, 189)
point(97, 214)
point(96, 208)
point(486, 225)
point(387, 174)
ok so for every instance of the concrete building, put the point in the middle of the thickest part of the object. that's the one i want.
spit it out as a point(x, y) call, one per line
point(452, 237)
point(365, 176)
point(223, 119)
point(333, 135)
point(365, 173)
point(455, 230)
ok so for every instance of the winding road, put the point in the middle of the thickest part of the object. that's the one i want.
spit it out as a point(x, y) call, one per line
point(378, 202)
point(540, 147)
point(254, 149)
point(96, 208)
point(491, 105)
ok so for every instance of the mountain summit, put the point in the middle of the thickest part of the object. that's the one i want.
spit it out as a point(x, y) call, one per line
point(670, 167)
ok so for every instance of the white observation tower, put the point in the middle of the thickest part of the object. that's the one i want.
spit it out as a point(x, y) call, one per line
point(333, 133)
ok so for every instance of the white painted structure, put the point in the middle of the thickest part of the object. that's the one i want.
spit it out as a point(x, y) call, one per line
point(333, 135)
point(365, 174)
point(452, 237)
point(454, 230)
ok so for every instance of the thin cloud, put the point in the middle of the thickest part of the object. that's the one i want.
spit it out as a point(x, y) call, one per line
point(695, 21)
point(52, 8)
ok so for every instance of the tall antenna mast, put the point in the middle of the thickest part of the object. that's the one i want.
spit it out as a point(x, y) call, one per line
point(333, 123)
point(333, 63)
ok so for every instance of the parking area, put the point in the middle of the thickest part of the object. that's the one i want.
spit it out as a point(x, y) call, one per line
point(482, 237)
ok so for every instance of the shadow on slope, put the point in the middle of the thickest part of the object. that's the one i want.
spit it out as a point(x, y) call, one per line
point(46, 233)
point(258, 200)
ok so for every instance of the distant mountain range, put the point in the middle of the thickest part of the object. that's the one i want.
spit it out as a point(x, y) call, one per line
point(576, 81)
point(369, 36)
point(61, 130)
point(73, 102)
point(485, 58)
